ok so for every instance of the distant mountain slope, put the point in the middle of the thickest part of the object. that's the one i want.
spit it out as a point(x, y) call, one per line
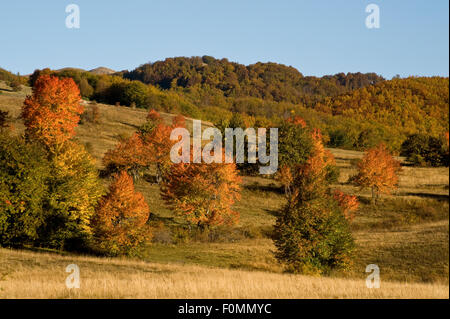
point(98, 71)
point(102, 70)
point(70, 69)
point(269, 81)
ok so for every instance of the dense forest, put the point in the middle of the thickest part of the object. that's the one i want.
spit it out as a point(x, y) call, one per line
point(269, 81)
point(353, 110)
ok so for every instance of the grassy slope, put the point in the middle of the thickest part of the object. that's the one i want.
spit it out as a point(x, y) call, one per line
point(406, 235)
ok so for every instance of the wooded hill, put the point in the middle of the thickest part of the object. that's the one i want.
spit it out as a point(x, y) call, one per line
point(353, 110)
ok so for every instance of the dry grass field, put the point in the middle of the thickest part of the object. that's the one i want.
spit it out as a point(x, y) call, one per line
point(406, 235)
point(42, 275)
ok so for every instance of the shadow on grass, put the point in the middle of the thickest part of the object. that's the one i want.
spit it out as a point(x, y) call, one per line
point(265, 188)
point(439, 197)
point(136, 127)
point(273, 212)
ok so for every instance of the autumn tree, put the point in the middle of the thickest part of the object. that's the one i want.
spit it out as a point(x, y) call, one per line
point(74, 190)
point(128, 155)
point(203, 193)
point(297, 121)
point(348, 203)
point(311, 232)
point(149, 146)
point(86, 90)
point(120, 219)
point(53, 111)
point(295, 145)
point(37, 74)
point(157, 143)
point(24, 172)
point(377, 170)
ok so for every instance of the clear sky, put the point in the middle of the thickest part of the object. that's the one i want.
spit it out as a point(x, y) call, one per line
point(315, 36)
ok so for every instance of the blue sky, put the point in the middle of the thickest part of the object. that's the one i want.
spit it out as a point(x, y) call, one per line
point(316, 37)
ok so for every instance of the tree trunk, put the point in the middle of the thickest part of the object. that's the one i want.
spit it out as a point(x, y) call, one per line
point(373, 196)
point(158, 173)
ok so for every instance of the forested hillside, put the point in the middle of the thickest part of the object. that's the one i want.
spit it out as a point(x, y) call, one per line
point(269, 81)
point(354, 110)
point(416, 104)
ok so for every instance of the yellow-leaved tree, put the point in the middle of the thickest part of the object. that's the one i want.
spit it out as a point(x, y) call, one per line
point(74, 190)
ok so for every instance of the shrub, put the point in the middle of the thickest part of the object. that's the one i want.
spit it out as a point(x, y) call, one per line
point(129, 155)
point(348, 203)
point(424, 150)
point(91, 115)
point(15, 85)
point(4, 116)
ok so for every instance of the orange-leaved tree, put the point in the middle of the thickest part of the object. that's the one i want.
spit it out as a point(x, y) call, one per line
point(129, 155)
point(203, 193)
point(53, 111)
point(348, 203)
point(149, 146)
point(156, 138)
point(120, 221)
point(377, 170)
point(297, 120)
